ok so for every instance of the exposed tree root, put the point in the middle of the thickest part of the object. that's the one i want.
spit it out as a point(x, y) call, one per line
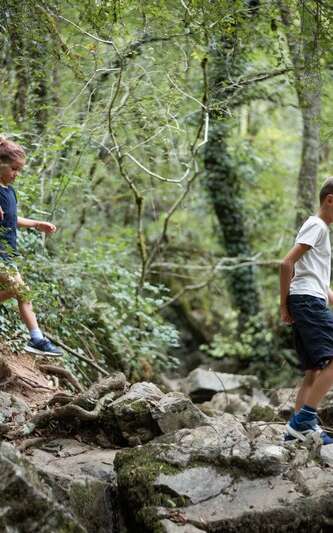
point(63, 373)
point(60, 397)
point(31, 443)
point(5, 428)
point(77, 406)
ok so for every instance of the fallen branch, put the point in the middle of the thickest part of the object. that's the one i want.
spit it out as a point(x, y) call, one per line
point(79, 356)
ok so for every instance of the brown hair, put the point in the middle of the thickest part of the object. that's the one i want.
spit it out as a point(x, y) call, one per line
point(9, 151)
point(326, 189)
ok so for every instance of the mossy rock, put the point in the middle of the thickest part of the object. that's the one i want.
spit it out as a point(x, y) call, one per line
point(264, 413)
point(90, 500)
point(137, 470)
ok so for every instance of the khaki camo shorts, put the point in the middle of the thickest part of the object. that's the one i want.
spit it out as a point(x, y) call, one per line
point(10, 279)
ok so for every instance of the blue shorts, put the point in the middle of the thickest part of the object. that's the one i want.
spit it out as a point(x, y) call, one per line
point(313, 330)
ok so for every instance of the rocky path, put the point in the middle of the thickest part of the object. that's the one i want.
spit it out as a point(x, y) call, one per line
point(203, 454)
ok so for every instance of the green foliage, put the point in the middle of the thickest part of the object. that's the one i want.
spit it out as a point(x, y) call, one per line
point(253, 343)
point(58, 83)
point(88, 300)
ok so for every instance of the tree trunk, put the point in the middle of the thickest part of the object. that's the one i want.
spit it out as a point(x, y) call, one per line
point(224, 188)
point(223, 180)
point(304, 51)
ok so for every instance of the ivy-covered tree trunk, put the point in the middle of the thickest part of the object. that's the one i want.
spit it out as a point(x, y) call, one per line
point(222, 176)
point(225, 191)
point(304, 47)
point(17, 59)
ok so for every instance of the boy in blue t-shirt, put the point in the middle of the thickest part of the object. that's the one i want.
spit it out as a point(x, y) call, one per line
point(12, 159)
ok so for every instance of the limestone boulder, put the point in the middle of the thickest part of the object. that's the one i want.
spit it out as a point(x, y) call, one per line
point(223, 440)
point(129, 417)
point(13, 409)
point(263, 432)
point(222, 402)
point(284, 400)
point(202, 384)
point(83, 478)
point(196, 484)
point(250, 505)
point(26, 503)
point(166, 490)
point(176, 411)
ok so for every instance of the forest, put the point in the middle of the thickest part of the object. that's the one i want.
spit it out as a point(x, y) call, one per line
point(177, 146)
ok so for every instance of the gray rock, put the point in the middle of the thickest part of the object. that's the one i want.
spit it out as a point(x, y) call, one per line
point(326, 454)
point(314, 480)
point(216, 478)
point(270, 458)
point(223, 441)
point(227, 403)
point(84, 479)
point(284, 399)
point(259, 398)
point(131, 415)
point(13, 409)
point(26, 503)
point(176, 411)
point(195, 484)
point(248, 505)
point(172, 384)
point(172, 527)
point(202, 384)
point(263, 432)
point(77, 462)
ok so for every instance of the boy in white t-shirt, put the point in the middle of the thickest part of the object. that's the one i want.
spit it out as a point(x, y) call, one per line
point(304, 289)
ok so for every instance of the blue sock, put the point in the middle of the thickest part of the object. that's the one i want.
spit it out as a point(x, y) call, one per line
point(36, 334)
point(305, 413)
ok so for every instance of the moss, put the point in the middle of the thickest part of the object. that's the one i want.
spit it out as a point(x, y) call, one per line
point(139, 406)
point(137, 470)
point(262, 413)
point(87, 499)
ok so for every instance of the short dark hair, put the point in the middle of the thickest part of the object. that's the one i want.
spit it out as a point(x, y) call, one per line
point(326, 189)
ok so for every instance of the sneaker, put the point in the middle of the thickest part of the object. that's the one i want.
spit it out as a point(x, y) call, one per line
point(289, 438)
point(43, 347)
point(300, 430)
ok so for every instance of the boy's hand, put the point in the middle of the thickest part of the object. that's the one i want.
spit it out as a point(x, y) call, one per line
point(285, 315)
point(46, 227)
point(2, 214)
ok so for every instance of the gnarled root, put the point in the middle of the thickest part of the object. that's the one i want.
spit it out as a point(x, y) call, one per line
point(78, 406)
point(63, 373)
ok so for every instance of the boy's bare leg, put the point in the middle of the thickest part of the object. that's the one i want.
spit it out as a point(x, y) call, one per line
point(308, 380)
point(27, 314)
point(320, 386)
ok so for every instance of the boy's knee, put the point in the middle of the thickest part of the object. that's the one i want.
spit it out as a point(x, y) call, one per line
point(12, 282)
point(21, 290)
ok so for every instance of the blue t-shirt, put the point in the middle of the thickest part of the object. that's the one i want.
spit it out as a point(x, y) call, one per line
point(8, 233)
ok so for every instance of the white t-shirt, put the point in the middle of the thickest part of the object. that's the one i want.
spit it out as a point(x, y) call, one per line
point(313, 269)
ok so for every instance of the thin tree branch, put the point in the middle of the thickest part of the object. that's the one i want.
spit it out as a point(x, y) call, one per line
point(79, 356)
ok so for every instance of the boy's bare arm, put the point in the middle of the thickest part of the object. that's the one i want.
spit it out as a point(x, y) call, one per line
point(286, 275)
point(330, 296)
point(46, 227)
